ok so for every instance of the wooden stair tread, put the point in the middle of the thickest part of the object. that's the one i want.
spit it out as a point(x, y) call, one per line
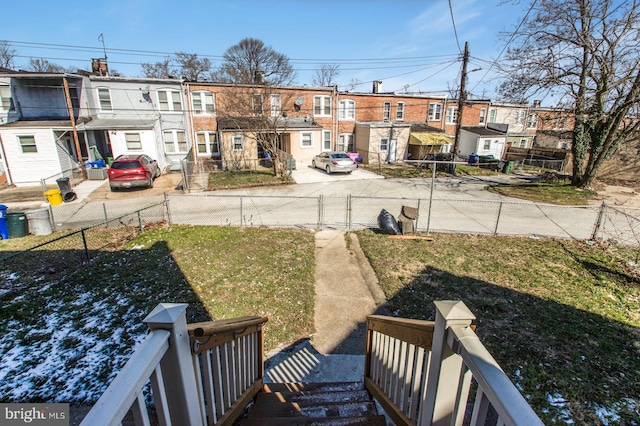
point(271, 405)
point(312, 386)
point(374, 420)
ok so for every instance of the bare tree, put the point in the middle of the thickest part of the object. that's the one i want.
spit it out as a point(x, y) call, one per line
point(250, 61)
point(586, 52)
point(42, 65)
point(326, 75)
point(191, 67)
point(160, 69)
point(6, 55)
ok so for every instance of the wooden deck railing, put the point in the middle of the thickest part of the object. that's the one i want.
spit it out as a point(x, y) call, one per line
point(229, 365)
point(421, 371)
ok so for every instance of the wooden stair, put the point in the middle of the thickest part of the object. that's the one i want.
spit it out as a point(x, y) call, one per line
point(313, 404)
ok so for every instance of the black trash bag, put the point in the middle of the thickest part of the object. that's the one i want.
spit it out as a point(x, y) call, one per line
point(387, 223)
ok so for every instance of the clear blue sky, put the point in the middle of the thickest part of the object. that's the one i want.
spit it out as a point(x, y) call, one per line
point(401, 42)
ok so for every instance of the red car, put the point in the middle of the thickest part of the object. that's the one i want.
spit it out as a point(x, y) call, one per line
point(129, 171)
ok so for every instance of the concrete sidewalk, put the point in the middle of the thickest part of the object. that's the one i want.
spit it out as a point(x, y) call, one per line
point(346, 292)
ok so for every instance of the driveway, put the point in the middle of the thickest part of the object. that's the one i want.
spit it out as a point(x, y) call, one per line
point(307, 174)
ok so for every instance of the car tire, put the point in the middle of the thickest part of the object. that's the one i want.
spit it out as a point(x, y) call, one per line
point(113, 188)
point(328, 170)
point(150, 182)
point(158, 172)
point(313, 164)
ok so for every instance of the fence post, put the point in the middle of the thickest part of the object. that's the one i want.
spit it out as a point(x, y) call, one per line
point(176, 365)
point(433, 183)
point(166, 208)
point(349, 212)
point(495, 231)
point(241, 211)
point(439, 397)
point(86, 248)
point(320, 218)
point(600, 221)
point(104, 210)
point(140, 221)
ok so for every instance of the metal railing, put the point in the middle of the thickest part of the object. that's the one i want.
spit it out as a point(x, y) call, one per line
point(421, 371)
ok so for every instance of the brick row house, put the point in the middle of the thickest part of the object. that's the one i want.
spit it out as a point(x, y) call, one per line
point(173, 120)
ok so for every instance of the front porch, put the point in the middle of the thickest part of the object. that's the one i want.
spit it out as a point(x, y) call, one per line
point(419, 372)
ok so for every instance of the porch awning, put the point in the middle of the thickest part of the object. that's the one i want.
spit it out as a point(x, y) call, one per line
point(426, 138)
point(116, 124)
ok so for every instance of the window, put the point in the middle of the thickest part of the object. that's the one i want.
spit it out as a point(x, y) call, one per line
point(386, 111)
point(276, 105)
point(169, 100)
point(384, 144)
point(322, 105)
point(258, 100)
point(532, 121)
point(133, 141)
point(104, 97)
point(238, 143)
point(207, 143)
point(523, 143)
point(560, 123)
point(28, 144)
point(483, 115)
point(492, 115)
point(347, 110)
point(452, 115)
point(487, 144)
point(6, 103)
point(520, 116)
point(400, 111)
point(326, 140)
point(175, 141)
point(345, 142)
point(435, 112)
point(306, 140)
point(203, 103)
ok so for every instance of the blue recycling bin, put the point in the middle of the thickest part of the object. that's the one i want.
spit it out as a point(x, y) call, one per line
point(4, 230)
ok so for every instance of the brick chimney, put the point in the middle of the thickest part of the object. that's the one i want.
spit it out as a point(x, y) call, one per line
point(99, 66)
point(376, 86)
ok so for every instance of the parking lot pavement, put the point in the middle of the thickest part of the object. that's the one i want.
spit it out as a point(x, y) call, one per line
point(307, 174)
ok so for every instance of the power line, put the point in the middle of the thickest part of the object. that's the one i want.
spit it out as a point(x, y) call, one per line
point(453, 21)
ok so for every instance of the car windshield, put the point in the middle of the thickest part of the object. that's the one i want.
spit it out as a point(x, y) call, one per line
point(125, 165)
point(340, 155)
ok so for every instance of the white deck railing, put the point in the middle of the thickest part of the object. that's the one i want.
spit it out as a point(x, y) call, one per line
point(421, 371)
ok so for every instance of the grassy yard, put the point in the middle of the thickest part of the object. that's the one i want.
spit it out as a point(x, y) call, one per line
point(66, 327)
point(243, 179)
point(561, 317)
point(406, 172)
point(561, 193)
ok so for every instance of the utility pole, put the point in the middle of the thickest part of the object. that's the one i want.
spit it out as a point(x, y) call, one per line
point(72, 117)
point(462, 97)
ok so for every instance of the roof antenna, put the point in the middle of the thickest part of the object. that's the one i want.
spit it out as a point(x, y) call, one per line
point(101, 38)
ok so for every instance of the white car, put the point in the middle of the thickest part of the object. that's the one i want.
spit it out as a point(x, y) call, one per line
point(334, 162)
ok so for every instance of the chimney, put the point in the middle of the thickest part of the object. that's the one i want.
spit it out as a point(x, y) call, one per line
point(99, 66)
point(376, 86)
point(537, 103)
point(258, 77)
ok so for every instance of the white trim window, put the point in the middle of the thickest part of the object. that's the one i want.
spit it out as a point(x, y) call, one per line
point(207, 143)
point(435, 112)
point(520, 114)
point(276, 105)
point(6, 103)
point(347, 109)
point(532, 121)
point(345, 142)
point(400, 111)
point(104, 97)
point(487, 144)
point(133, 141)
point(237, 143)
point(326, 140)
point(306, 140)
point(560, 123)
point(169, 100)
point(523, 143)
point(386, 112)
point(257, 103)
point(452, 115)
point(322, 106)
point(384, 144)
point(175, 141)
point(203, 103)
point(28, 144)
point(483, 116)
point(492, 115)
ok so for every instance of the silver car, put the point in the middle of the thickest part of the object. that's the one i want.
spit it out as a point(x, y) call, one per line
point(334, 162)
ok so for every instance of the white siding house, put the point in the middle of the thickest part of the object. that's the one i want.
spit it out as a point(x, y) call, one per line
point(481, 141)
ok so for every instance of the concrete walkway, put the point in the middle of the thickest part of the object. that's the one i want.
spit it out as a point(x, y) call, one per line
point(346, 292)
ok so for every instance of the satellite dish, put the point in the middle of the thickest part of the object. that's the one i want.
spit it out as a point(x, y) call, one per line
point(299, 101)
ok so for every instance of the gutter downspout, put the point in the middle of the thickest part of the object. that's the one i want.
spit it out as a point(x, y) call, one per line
point(334, 118)
point(192, 132)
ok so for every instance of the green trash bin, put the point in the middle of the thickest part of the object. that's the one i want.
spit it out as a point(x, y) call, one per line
point(507, 167)
point(17, 224)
